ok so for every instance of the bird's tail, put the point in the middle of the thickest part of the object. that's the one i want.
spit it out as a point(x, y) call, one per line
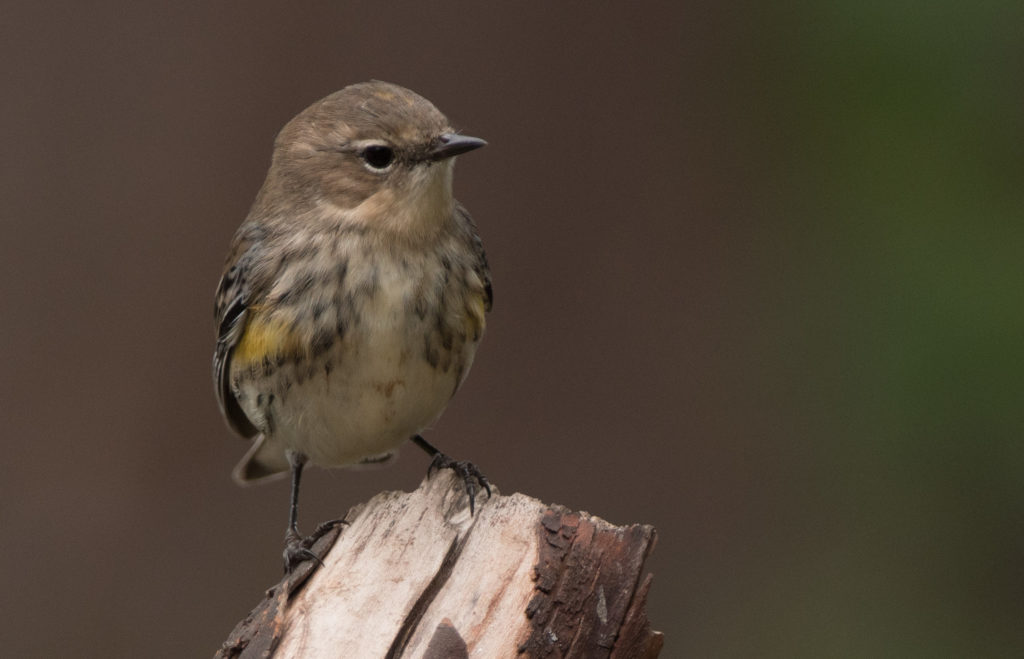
point(262, 463)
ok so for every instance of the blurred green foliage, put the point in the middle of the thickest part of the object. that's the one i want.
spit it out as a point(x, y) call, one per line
point(896, 204)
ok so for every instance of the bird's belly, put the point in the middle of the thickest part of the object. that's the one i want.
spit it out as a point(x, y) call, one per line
point(361, 400)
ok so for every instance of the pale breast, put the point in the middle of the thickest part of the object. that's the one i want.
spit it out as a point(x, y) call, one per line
point(380, 353)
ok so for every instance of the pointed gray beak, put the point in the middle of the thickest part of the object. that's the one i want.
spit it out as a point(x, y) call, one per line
point(450, 144)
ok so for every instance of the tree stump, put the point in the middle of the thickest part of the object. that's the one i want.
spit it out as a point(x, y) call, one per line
point(414, 575)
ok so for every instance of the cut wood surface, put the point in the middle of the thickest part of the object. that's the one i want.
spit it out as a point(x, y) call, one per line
point(414, 575)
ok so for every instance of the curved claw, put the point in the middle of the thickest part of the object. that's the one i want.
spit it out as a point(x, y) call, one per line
point(298, 550)
point(471, 476)
point(296, 556)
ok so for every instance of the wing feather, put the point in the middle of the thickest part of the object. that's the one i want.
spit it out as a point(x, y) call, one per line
point(236, 293)
point(480, 267)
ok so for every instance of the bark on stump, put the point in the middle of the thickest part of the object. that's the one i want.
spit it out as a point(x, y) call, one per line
point(414, 575)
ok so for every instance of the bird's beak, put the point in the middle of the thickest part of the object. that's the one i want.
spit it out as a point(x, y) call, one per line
point(450, 144)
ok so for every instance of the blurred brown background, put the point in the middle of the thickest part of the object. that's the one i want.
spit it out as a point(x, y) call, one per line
point(758, 282)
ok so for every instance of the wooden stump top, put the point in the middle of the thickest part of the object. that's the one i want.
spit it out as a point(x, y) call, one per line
point(412, 574)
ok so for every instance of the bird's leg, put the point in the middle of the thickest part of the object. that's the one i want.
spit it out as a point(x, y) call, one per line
point(297, 461)
point(296, 548)
point(471, 476)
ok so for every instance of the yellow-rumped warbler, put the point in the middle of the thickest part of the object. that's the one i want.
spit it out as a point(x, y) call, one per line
point(354, 294)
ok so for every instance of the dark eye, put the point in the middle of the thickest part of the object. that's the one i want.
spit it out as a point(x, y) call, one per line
point(378, 157)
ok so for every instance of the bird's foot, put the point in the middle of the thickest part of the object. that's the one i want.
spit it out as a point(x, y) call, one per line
point(467, 471)
point(298, 550)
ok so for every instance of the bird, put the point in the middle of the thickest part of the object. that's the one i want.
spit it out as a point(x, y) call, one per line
point(354, 295)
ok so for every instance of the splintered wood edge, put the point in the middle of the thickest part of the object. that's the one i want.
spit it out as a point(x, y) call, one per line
point(585, 593)
point(588, 589)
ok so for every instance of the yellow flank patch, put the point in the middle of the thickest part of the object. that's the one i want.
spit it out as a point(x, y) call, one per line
point(267, 338)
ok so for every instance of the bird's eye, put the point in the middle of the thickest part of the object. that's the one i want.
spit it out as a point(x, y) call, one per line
point(378, 157)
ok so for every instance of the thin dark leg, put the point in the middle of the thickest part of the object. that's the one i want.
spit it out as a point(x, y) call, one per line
point(297, 548)
point(425, 445)
point(471, 476)
point(298, 461)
